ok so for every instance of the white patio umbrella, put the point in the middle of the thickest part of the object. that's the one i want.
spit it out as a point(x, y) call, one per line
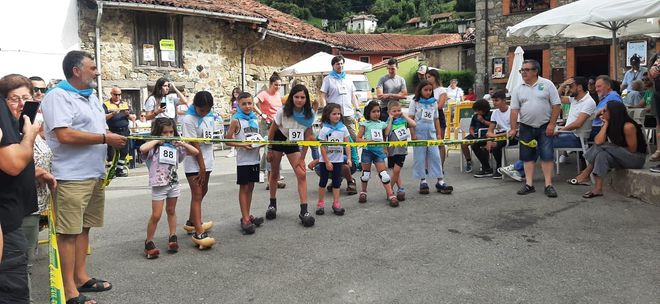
point(319, 63)
point(593, 18)
point(515, 78)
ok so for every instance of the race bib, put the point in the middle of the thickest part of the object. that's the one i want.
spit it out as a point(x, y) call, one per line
point(342, 89)
point(296, 134)
point(254, 137)
point(168, 155)
point(402, 133)
point(427, 114)
point(376, 134)
point(335, 137)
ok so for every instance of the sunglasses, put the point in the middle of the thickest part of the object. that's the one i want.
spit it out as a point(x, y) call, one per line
point(42, 90)
point(645, 79)
point(115, 94)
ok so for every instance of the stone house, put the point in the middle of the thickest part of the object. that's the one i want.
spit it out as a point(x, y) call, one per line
point(433, 19)
point(559, 57)
point(197, 44)
point(362, 24)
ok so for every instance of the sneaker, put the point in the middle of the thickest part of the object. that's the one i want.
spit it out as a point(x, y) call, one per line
point(172, 244)
point(281, 177)
point(550, 191)
point(320, 208)
point(526, 189)
point(468, 166)
point(655, 156)
point(655, 169)
point(262, 177)
point(306, 219)
point(150, 250)
point(257, 221)
point(401, 195)
point(351, 189)
point(363, 197)
point(483, 173)
point(247, 227)
point(511, 172)
point(271, 213)
point(497, 174)
point(444, 188)
point(121, 173)
point(337, 209)
point(562, 159)
point(423, 188)
point(394, 202)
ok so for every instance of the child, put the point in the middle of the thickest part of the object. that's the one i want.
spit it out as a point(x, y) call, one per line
point(428, 127)
point(199, 122)
point(244, 126)
point(478, 126)
point(162, 160)
point(371, 130)
point(332, 157)
point(397, 130)
point(293, 122)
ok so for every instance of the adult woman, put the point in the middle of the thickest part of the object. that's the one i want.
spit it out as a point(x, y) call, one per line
point(440, 94)
point(267, 103)
point(233, 107)
point(293, 122)
point(160, 103)
point(454, 92)
point(626, 147)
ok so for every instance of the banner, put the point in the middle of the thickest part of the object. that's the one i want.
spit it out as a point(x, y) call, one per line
point(56, 285)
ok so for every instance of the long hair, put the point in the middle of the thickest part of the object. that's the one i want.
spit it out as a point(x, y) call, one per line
point(367, 109)
point(160, 123)
point(618, 118)
point(288, 107)
point(235, 90)
point(274, 77)
point(435, 75)
point(157, 92)
point(325, 116)
point(418, 89)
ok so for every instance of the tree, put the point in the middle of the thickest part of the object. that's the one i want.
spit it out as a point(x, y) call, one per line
point(465, 6)
point(408, 10)
point(423, 11)
point(394, 22)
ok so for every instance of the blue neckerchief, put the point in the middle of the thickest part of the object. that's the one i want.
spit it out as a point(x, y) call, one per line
point(426, 101)
point(341, 75)
point(251, 118)
point(65, 85)
point(192, 111)
point(399, 121)
point(301, 119)
point(338, 126)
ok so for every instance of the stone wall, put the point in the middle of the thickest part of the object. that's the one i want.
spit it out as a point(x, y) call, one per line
point(214, 44)
point(499, 43)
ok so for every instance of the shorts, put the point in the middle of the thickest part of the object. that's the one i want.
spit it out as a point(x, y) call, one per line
point(396, 160)
point(78, 205)
point(247, 174)
point(189, 174)
point(442, 119)
point(372, 156)
point(335, 173)
point(286, 149)
point(544, 148)
point(159, 193)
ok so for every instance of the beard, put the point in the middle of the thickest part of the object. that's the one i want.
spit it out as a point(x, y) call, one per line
point(92, 84)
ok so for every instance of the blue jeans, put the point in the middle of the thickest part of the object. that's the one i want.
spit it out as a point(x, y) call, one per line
point(566, 140)
point(373, 155)
point(426, 155)
point(544, 148)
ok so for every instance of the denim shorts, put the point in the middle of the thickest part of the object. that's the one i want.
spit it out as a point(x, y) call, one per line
point(544, 148)
point(369, 156)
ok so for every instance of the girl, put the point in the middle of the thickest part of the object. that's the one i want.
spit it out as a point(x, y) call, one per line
point(371, 130)
point(243, 127)
point(440, 95)
point(267, 103)
point(162, 160)
point(428, 127)
point(332, 157)
point(293, 122)
point(397, 129)
point(233, 103)
point(160, 103)
point(199, 122)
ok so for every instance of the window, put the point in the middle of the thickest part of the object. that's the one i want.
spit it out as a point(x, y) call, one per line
point(522, 6)
point(364, 59)
point(386, 58)
point(150, 28)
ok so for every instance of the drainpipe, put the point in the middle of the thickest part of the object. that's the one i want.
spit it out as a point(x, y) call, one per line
point(263, 31)
point(487, 64)
point(99, 14)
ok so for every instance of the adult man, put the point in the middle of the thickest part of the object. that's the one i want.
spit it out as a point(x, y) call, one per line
point(582, 107)
point(538, 103)
point(38, 88)
point(116, 116)
point(606, 94)
point(635, 72)
point(337, 89)
point(76, 132)
point(390, 87)
point(454, 92)
point(18, 198)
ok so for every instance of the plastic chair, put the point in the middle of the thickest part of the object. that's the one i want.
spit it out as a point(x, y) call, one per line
point(583, 134)
point(464, 130)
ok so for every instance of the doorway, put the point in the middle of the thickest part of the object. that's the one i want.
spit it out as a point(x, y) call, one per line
point(536, 55)
point(592, 61)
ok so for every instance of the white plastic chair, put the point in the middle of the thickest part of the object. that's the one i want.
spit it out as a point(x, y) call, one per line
point(582, 134)
point(464, 130)
point(637, 114)
point(219, 133)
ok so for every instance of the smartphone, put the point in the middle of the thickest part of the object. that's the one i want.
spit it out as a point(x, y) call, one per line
point(30, 110)
point(163, 104)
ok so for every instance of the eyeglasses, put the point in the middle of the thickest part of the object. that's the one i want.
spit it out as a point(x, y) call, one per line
point(17, 99)
point(42, 90)
point(645, 79)
point(115, 94)
point(526, 70)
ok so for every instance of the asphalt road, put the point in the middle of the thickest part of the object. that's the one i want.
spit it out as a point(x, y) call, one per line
point(482, 244)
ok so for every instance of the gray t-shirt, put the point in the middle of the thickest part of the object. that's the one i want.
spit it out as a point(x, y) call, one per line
point(64, 109)
point(391, 86)
point(535, 101)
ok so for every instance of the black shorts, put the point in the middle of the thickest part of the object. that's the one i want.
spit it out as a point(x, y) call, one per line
point(396, 160)
point(208, 173)
point(247, 174)
point(442, 119)
point(286, 149)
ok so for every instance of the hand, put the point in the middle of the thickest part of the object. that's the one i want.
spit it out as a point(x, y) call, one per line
point(301, 165)
point(30, 130)
point(550, 130)
point(115, 140)
point(490, 145)
point(201, 178)
point(605, 122)
point(269, 156)
point(349, 163)
point(248, 147)
point(264, 116)
point(49, 180)
point(512, 133)
point(328, 165)
point(177, 143)
point(312, 164)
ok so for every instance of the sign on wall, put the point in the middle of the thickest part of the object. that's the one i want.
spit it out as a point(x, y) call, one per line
point(498, 67)
point(148, 52)
point(637, 48)
point(167, 50)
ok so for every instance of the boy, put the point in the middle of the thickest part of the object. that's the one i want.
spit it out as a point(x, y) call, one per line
point(397, 130)
point(480, 121)
point(500, 126)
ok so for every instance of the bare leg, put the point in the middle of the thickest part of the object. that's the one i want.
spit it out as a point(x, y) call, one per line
point(598, 187)
point(547, 168)
point(529, 172)
point(170, 209)
point(196, 197)
point(245, 200)
point(67, 246)
point(396, 176)
point(301, 176)
point(156, 211)
point(365, 168)
point(584, 175)
point(380, 167)
point(274, 175)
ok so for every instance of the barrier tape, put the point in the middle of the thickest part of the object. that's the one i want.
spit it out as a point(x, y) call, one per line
point(110, 172)
point(314, 143)
point(55, 272)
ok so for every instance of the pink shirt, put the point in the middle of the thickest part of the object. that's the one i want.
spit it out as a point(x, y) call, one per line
point(269, 104)
point(162, 174)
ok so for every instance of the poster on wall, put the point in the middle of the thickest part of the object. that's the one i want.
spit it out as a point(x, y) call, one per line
point(636, 48)
point(498, 67)
point(148, 52)
point(167, 50)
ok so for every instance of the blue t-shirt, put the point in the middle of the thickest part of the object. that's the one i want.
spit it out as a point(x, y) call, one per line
point(611, 96)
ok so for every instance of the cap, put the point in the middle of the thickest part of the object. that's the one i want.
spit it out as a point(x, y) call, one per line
point(422, 69)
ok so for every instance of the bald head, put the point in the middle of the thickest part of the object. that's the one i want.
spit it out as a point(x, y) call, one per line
point(115, 94)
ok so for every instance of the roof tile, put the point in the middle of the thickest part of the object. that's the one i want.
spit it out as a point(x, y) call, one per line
point(394, 43)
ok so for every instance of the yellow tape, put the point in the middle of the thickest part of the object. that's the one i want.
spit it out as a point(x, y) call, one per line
point(56, 285)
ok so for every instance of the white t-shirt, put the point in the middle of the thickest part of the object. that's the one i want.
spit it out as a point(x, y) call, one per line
point(286, 124)
point(246, 157)
point(585, 105)
point(171, 101)
point(335, 153)
point(339, 91)
point(455, 94)
point(502, 120)
point(192, 127)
